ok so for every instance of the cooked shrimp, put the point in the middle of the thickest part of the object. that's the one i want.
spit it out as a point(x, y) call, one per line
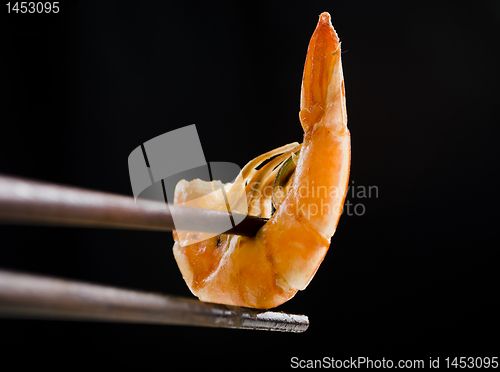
point(269, 269)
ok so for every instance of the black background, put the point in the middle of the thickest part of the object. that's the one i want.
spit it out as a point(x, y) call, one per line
point(417, 273)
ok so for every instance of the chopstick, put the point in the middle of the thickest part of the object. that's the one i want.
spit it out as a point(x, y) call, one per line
point(34, 202)
point(33, 296)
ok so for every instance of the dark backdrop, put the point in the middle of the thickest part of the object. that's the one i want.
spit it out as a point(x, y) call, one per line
point(415, 272)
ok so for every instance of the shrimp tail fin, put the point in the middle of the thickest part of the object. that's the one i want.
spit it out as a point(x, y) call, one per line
point(322, 93)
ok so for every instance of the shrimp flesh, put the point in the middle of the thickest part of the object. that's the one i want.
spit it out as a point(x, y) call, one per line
point(266, 270)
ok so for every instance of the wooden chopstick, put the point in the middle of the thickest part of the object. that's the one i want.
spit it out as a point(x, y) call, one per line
point(34, 202)
point(34, 296)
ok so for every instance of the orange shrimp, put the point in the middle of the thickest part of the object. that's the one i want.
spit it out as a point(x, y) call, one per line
point(269, 269)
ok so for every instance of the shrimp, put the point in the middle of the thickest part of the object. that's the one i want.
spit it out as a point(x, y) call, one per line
point(267, 270)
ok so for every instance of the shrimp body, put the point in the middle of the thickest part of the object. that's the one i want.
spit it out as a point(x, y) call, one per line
point(266, 270)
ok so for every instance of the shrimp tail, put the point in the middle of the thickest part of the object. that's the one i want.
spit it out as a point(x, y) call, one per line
point(308, 218)
point(322, 92)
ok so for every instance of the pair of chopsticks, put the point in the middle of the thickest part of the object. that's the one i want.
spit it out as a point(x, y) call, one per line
point(22, 295)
